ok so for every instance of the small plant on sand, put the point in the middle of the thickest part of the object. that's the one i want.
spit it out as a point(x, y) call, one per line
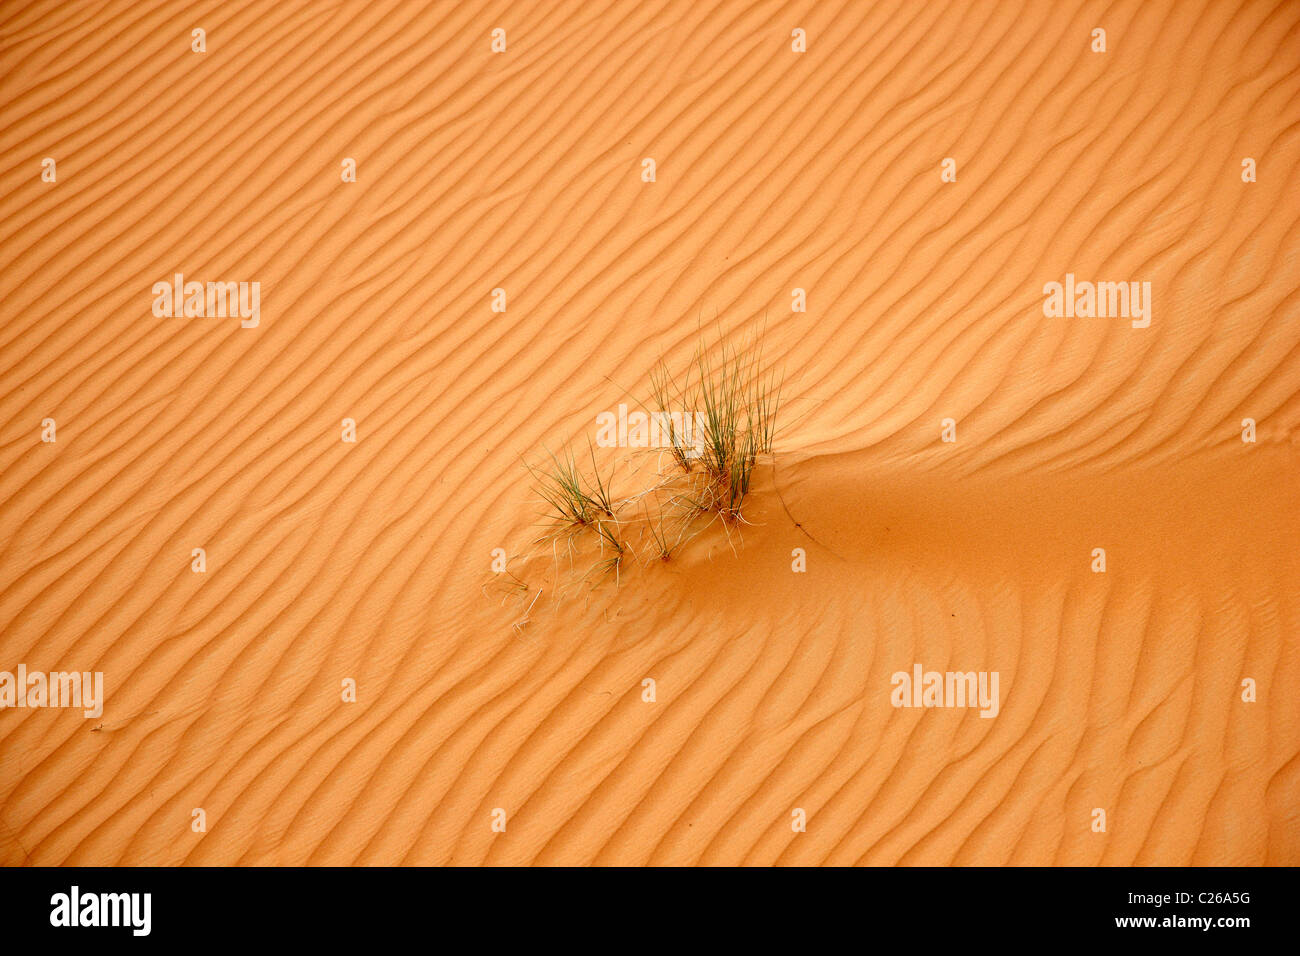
point(573, 498)
point(677, 401)
point(740, 402)
point(710, 468)
point(560, 487)
point(612, 549)
point(661, 537)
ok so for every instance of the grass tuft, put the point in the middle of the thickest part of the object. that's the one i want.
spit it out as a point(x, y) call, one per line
point(709, 477)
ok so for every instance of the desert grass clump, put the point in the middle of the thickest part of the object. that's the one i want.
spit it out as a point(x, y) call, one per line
point(612, 550)
point(739, 401)
point(718, 418)
point(675, 404)
point(560, 487)
point(574, 499)
point(660, 536)
point(598, 494)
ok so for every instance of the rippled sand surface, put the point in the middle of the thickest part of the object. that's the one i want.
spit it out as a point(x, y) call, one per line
point(369, 561)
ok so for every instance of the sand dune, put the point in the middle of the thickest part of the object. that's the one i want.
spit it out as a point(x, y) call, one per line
point(523, 171)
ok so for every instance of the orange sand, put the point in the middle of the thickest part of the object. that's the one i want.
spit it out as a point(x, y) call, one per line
point(775, 170)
